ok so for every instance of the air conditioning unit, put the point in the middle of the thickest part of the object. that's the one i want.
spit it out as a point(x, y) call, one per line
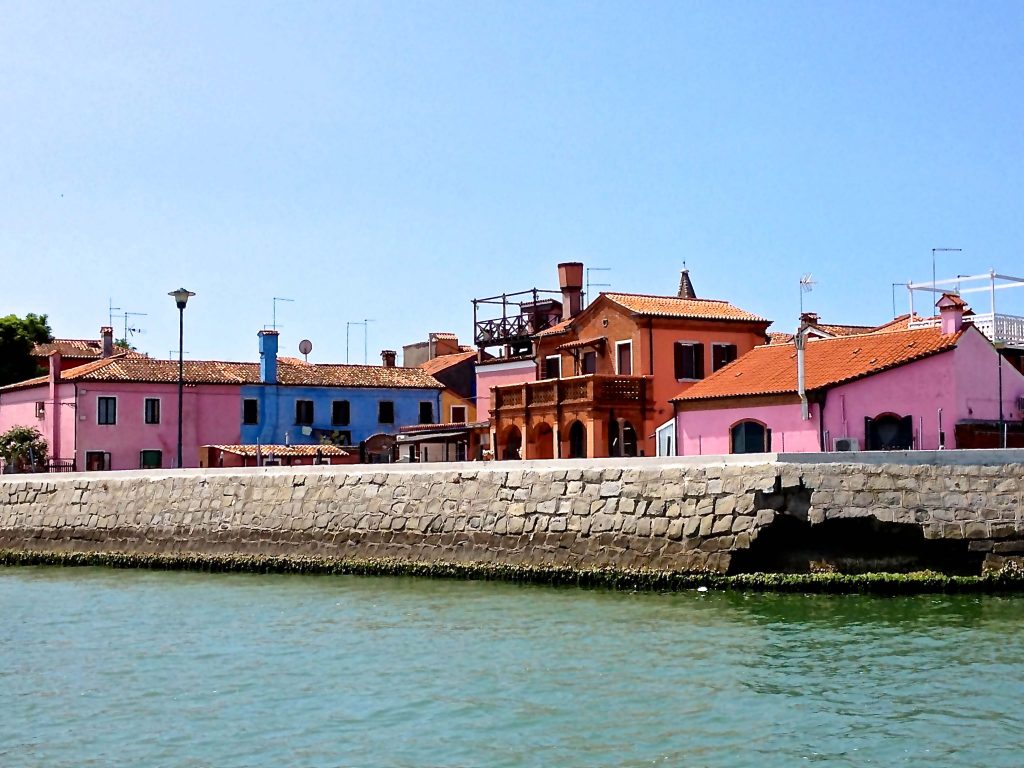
point(846, 444)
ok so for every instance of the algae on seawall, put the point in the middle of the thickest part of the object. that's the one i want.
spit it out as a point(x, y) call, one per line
point(1010, 579)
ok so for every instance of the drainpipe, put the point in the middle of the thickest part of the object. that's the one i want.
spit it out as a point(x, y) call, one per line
point(942, 437)
point(822, 438)
point(801, 342)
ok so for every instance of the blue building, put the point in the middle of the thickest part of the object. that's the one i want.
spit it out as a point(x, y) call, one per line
point(304, 403)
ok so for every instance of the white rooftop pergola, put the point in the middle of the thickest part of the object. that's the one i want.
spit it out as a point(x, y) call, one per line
point(1001, 329)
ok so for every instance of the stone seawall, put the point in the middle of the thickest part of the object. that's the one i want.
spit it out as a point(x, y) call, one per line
point(718, 515)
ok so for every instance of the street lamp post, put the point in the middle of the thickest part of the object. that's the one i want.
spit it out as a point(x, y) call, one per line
point(181, 297)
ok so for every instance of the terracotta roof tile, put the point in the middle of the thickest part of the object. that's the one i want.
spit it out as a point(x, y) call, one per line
point(77, 349)
point(444, 362)
point(554, 330)
point(150, 370)
point(671, 306)
point(251, 451)
point(596, 341)
point(771, 369)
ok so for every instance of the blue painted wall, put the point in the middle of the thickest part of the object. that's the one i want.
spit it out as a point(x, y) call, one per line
point(276, 404)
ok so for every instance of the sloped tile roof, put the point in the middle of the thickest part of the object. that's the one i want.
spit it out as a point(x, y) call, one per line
point(150, 370)
point(444, 362)
point(78, 349)
point(251, 451)
point(340, 375)
point(557, 328)
point(771, 369)
point(671, 306)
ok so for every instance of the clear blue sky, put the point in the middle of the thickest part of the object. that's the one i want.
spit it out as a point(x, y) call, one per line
point(394, 160)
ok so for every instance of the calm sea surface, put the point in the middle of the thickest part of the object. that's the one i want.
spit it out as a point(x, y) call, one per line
point(101, 667)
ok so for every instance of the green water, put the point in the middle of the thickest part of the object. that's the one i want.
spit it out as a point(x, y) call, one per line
point(101, 667)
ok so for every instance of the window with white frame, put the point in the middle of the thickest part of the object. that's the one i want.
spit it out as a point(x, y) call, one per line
point(553, 367)
point(106, 410)
point(624, 358)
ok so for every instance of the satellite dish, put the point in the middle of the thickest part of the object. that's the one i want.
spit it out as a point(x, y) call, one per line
point(305, 347)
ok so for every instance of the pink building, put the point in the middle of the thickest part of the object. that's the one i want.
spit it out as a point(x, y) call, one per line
point(926, 388)
point(121, 412)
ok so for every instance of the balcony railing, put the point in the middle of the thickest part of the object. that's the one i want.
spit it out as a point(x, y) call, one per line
point(1005, 329)
point(594, 390)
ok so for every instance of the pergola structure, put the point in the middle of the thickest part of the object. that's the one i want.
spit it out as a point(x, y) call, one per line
point(1004, 331)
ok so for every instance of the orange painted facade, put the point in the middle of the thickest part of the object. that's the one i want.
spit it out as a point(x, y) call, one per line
point(618, 371)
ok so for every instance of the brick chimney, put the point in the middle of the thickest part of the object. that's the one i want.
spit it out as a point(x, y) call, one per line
point(570, 280)
point(106, 341)
point(808, 318)
point(387, 357)
point(268, 356)
point(951, 310)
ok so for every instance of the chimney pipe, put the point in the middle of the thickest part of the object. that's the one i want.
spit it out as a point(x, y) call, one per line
point(387, 357)
point(570, 280)
point(107, 341)
point(801, 343)
point(951, 311)
point(268, 356)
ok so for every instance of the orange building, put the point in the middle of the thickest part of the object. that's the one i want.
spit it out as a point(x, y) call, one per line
point(606, 375)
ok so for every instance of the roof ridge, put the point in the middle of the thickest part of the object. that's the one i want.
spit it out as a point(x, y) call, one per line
point(666, 296)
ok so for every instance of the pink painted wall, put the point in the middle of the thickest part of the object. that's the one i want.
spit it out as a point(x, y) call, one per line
point(977, 372)
point(18, 409)
point(918, 389)
point(707, 432)
point(212, 415)
point(962, 382)
point(497, 375)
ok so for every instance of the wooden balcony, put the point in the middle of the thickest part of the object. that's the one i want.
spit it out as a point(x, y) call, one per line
point(596, 390)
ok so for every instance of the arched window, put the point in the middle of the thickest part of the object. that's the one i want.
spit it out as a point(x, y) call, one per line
point(513, 443)
point(577, 440)
point(750, 437)
point(889, 432)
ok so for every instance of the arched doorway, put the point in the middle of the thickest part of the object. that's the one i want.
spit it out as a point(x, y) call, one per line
point(889, 432)
point(512, 443)
point(543, 446)
point(577, 440)
point(749, 437)
point(628, 439)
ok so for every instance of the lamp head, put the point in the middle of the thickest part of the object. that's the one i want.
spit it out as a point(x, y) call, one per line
point(181, 297)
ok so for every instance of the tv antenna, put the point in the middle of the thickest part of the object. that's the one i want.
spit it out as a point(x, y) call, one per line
point(111, 309)
point(596, 285)
point(130, 330)
point(273, 322)
point(940, 250)
point(365, 323)
point(807, 284)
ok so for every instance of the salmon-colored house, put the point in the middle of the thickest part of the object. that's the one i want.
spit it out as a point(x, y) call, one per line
point(605, 375)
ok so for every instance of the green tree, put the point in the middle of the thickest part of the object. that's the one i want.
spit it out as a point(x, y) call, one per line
point(17, 338)
point(23, 448)
point(125, 344)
